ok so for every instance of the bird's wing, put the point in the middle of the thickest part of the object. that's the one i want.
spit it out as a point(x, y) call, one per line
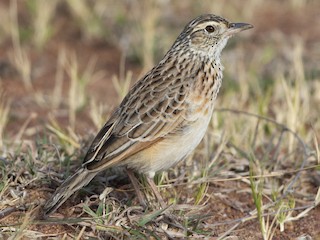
point(154, 107)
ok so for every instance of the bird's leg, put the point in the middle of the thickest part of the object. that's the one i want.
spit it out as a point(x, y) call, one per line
point(154, 189)
point(136, 187)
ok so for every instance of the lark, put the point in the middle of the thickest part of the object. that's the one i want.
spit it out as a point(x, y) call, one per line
point(165, 114)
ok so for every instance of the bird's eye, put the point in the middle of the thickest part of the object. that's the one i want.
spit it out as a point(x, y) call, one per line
point(209, 29)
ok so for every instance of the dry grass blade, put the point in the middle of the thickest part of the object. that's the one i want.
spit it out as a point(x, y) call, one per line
point(97, 114)
point(43, 14)
point(88, 18)
point(78, 84)
point(4, 115)
point(151, 216)
point(19, 56)
point(57, 91)
point(123, 82)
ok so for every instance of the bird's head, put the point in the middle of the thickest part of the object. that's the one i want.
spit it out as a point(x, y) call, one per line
point(208, 34)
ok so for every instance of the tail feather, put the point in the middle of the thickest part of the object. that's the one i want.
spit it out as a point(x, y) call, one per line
point(78, 180)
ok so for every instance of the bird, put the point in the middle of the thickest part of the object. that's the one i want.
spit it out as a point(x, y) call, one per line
point(165, 114)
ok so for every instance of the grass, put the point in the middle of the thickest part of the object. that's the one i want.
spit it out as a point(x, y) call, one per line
point(122, 82)
point(256, 169)
point(19, 56)
point(77, 94)
point(4, 115)
point(42, 13)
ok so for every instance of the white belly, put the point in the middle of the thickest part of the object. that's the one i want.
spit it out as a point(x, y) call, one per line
point(168, 152)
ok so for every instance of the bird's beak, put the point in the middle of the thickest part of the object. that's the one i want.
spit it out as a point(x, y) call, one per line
point(237, 27)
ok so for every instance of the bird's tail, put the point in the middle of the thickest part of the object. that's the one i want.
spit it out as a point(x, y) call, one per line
point(78, 180)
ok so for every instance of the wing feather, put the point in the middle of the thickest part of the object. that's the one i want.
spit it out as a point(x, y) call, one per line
point(153, 108)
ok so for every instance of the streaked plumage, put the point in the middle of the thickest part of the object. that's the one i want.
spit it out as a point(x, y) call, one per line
point(165, 114)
